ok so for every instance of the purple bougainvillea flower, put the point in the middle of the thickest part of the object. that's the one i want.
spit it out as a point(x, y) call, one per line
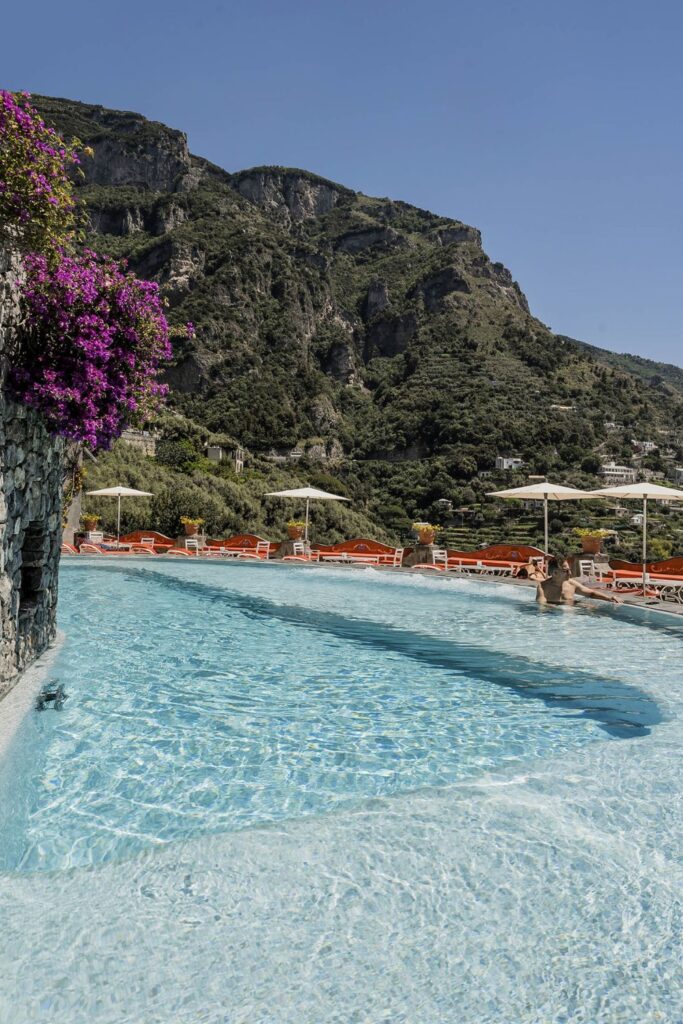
point(96, 341)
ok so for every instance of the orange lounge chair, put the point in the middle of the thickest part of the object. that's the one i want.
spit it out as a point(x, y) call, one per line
point(360, 549)
point(300, 554)
point(258, 553)
point(261, 553)
point(68, 549)
point(241, 545)
point(151, 538)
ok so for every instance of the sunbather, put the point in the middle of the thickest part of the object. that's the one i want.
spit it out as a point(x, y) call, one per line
point(561, 588)
point(531, 571)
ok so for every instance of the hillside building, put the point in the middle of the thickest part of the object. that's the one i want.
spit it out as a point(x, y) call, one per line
point(216, 453)
point(613, 474)
point(143, 440)
point(508, 464)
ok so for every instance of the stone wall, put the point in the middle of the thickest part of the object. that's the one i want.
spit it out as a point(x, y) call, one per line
point(30, 509)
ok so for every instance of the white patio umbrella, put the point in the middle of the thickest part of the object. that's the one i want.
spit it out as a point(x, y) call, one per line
point(644, 492)
point(545, 492)
point(309, 494)
point(120, 492)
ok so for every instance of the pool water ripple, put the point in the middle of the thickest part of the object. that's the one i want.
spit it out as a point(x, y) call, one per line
point(283, 795)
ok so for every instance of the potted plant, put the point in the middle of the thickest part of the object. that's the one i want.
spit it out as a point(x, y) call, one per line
point(191, 525)
point(426, 532)
point(90, 521)
point(295, 529)
point(591, 539)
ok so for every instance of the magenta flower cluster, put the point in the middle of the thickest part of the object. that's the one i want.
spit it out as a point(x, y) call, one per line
point(95, 339)
point(94, 336)
point(36, 195)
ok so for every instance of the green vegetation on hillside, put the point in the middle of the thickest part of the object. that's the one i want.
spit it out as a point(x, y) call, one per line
point(374, 333)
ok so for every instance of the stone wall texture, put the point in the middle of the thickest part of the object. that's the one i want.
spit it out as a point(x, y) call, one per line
point(30, 508)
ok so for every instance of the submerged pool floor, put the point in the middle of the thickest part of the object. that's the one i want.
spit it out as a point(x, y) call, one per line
point(300, 795)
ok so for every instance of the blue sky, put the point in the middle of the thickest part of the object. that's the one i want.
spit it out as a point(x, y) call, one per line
point(555, 128)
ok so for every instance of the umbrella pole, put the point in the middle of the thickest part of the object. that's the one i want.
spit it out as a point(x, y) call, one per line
point(306, 530)
point(118, 524)
point(545, 524)
point(644, 546)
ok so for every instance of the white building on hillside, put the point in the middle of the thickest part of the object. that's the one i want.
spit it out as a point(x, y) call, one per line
point(508, 464)
point(614, 474)
point(216, 453)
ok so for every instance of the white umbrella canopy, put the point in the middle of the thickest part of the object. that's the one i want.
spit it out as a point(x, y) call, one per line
point(124, 492)
point(308, 494)
point(544, 491)
point(644, 492)
point(120, 492)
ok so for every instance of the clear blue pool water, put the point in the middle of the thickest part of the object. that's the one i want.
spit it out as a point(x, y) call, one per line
point(300, 794)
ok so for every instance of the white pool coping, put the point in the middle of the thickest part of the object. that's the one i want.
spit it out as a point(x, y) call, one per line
point(18, 701)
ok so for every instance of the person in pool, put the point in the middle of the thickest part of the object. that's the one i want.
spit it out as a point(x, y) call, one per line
point(561, 588)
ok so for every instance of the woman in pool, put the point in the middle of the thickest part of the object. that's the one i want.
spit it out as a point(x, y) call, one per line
point(561, 588)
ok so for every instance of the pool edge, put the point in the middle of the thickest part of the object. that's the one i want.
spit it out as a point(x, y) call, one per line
point(18, 701)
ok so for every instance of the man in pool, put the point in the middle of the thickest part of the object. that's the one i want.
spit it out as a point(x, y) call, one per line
point(561, 588)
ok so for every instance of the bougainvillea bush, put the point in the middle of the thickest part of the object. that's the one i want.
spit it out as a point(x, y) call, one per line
point(94, 339)
point(37, 203)
point(93, 336)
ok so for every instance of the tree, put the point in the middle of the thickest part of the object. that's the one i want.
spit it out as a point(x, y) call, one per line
point(591, 464)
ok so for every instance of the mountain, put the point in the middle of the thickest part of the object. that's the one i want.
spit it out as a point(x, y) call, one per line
point(377, 338)
point(659, 375)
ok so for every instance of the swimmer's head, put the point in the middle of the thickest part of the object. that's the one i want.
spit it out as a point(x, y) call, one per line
point(558, 568)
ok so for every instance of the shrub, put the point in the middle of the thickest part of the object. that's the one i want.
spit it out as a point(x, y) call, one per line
point(178, 454)
point(659, 548)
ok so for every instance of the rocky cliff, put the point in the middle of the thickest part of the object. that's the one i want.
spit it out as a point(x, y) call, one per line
point(325, 316)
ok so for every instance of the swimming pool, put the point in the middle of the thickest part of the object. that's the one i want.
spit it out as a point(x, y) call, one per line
point(298, 794)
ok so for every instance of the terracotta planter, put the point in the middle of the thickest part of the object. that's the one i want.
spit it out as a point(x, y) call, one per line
point(191, 529)
point(426, 536)
point(89, 524)
point(295, 532)
point(590, 545)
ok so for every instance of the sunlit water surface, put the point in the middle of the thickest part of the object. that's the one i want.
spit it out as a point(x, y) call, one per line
point(291, 794)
